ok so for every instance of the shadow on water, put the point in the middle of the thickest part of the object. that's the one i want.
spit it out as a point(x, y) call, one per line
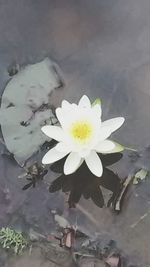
point(84, 183)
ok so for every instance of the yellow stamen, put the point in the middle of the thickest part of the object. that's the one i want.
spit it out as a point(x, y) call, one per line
point(81, 130)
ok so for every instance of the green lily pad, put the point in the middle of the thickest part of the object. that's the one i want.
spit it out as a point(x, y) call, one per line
point(25, 108)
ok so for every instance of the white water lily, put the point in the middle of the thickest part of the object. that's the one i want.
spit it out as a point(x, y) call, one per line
point(82, 135)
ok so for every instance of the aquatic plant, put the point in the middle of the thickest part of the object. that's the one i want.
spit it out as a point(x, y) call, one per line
point(82, 135)
point(11, 239)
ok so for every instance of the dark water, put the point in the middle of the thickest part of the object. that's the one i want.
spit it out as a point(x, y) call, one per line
point(103, 50)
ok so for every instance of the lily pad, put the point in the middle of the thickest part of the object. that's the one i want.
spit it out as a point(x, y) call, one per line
point(25, 108)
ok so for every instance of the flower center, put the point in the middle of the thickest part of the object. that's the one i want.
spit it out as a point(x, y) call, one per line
point(81, 130)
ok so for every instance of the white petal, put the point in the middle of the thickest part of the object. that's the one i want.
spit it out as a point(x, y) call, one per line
point(62, 116)
point(72, 163)
point(66, 115)
point(84, 102)
point(84, 153)
point(97, 109)
point(74, 106)
point(65, 104)
point(113, 124)
point(53, 155)
point(59, 114)
point(94, 163)
point(99, 136)
point(104, 133)
point(117, 148)
point(105, 146)
point(54, 132)
point(63, 147)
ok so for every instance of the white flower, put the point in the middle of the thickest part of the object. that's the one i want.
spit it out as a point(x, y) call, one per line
point(82, 135)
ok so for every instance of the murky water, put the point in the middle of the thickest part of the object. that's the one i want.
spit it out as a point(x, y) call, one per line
point(103, 50)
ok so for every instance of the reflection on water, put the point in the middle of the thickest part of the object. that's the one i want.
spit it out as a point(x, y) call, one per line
point(84, 183)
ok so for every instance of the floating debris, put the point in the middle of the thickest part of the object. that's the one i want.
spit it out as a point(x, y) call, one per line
point(61, 221)
point(13, 69)
point(140, 219)
point(34, 173)
point(114, 261)
point(68, 238)
point(35, 236)
point(139, 176)
point(117, 205)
